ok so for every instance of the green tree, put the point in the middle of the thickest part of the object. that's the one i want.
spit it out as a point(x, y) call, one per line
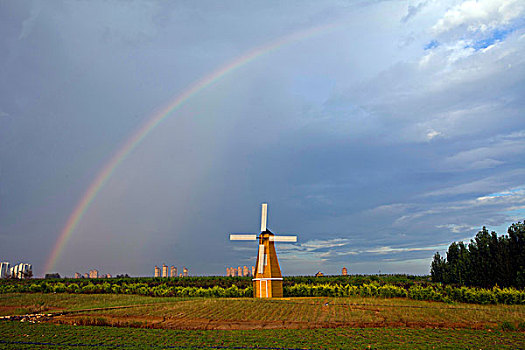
point(437, 268)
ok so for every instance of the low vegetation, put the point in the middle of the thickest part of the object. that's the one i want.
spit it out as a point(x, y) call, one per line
point(247, 313)
point(16, 335)
point(154, 287)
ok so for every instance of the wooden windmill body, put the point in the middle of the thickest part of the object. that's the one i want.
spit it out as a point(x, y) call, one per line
point(267, 281)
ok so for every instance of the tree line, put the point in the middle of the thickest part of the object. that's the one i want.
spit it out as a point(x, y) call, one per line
point(488, 260)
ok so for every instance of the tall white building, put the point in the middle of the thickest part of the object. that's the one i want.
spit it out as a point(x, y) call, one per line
point(4, 270)
point(21, 271)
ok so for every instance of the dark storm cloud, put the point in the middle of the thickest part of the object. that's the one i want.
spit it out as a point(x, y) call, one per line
point(374, 147)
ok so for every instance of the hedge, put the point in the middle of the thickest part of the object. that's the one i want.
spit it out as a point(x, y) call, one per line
point(436, 292)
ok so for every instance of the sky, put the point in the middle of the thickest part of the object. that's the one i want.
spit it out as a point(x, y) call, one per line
point(378, 132)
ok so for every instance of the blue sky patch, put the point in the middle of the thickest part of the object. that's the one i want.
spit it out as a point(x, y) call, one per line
point(497, 36)
point(431, 45)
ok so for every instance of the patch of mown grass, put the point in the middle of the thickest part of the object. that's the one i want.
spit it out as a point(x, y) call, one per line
point(324, 309)
point(349, 310)
point(40, 302)
point(16, 335)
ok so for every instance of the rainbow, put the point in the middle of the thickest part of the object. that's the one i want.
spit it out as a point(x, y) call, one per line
point(157, 118)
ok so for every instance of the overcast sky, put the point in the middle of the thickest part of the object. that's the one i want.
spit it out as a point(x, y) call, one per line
point(395, 129)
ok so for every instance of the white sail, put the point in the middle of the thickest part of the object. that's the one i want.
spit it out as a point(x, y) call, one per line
point(290, 239)
point(260, 266)
point(243, 237)
point(264, 216)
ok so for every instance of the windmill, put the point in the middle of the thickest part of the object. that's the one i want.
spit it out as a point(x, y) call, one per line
point(267, 281)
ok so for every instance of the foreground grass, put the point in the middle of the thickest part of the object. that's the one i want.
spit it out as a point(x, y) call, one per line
point(17, 335)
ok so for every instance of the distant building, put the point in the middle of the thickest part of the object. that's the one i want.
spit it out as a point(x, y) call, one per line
point(86, 275)
point(253, 270)
point(173, 271)
point(157, 271)
point(233, 271)
point(344, 271)
point(245, 271)
point(164, 270)
point(239, 271)
point(93, 273)
point(185, 271)
point(4, 270)
point(77, 275)
point(21, 271)
point(227, 272)
point(319, 274)
point(108, 275)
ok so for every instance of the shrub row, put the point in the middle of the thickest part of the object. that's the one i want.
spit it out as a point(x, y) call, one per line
point(241, 282)
point(417, 292)
point(436, 292)
point(132, 288)
point(338, 290)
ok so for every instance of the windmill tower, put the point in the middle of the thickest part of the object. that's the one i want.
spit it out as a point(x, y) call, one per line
point(267, 281)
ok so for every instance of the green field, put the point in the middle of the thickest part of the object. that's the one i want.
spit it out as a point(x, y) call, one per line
point(22, 303)
point(395, 286)
point(291, 323)
point(287, 312)
point(47, 336)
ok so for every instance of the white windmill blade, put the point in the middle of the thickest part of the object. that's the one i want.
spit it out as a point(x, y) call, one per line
point(290, 239)
point(243, 237)
point(263, 216)
point(260, 259)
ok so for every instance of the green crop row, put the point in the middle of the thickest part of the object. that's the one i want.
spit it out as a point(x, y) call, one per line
point(132, 288)
point(435, 292)
point(241, 282)
point(338, 290)
point(447, 293)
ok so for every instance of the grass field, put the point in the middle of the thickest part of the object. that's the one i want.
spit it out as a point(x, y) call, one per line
point(24, 303)
point(306, 313)
point(248, 313)
point(16, 335)
point(307, 323)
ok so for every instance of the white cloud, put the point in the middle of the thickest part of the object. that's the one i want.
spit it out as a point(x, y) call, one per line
point(489, 183)
point(388, 249)
point(464, 215)
point(386, 209)
point(413, 10)
point(487, 156)
point(458, 228)
point(431, 133)
point(316, 244)
point(515, 193)
point(480, 15)
point(29, 23)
